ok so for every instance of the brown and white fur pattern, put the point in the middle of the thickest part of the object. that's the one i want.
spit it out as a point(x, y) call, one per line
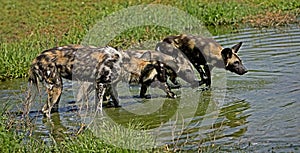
point(207, 53)
point(104, 67)
point(179, 64)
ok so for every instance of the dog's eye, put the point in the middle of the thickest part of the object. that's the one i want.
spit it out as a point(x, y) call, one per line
point(236, 62)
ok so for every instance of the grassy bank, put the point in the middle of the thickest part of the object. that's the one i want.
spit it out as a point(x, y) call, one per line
point(16, 136)
point(28, 27)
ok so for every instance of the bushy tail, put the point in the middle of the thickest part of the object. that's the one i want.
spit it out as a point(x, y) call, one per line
point(31, 93)
point(34, 78)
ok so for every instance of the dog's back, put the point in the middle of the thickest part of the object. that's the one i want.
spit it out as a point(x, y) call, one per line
point(179, 64)
point(197, 47)
point(74, 62)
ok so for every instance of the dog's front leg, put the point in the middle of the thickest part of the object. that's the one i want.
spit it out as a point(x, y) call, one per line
point(143, 90)
point(207, 72)
point(202, 74)
point(176, 84)
point(114, 95)
point(100, 91)
point(167, 89)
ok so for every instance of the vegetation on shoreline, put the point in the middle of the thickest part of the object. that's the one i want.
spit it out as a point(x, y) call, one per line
point(14, 141)
point(28, 27)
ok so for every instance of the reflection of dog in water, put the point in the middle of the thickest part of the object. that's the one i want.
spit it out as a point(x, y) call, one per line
point(105, 67)
point(206, 53)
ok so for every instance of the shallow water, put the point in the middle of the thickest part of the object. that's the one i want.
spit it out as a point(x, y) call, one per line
point(254, 112)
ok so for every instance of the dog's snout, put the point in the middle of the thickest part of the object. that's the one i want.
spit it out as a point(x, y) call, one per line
point(244, 72)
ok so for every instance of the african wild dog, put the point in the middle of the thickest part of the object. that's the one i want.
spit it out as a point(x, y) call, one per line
point(75, 62)
point(179, 64)
point(104, 67)
point(208, 53)
point(145, 71)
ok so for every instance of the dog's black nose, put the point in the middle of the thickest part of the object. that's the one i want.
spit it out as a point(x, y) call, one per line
point(242, 72)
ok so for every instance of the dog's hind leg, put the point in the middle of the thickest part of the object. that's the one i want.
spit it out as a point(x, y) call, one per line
point(53, 82)
point(114, 95)
point(54, 93)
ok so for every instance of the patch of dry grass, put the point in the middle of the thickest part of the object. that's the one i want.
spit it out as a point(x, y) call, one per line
point(271, 19)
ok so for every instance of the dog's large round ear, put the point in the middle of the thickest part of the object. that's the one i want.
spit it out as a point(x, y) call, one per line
point(169, 39)
point(180, 38)
point(236, 47)
point(176, 40)
point(226, 53)
point(173, 39)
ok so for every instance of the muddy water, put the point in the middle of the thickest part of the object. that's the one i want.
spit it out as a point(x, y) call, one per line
point(255, 112)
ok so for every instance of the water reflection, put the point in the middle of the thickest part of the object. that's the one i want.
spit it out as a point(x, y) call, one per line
point(57, 130)
point(230, 125)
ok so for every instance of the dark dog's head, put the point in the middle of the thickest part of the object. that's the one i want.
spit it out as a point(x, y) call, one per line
point(232, 61)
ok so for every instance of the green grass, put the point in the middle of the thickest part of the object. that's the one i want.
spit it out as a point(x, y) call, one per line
point(29, 27)
point(12, 139)
point(87, 142)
